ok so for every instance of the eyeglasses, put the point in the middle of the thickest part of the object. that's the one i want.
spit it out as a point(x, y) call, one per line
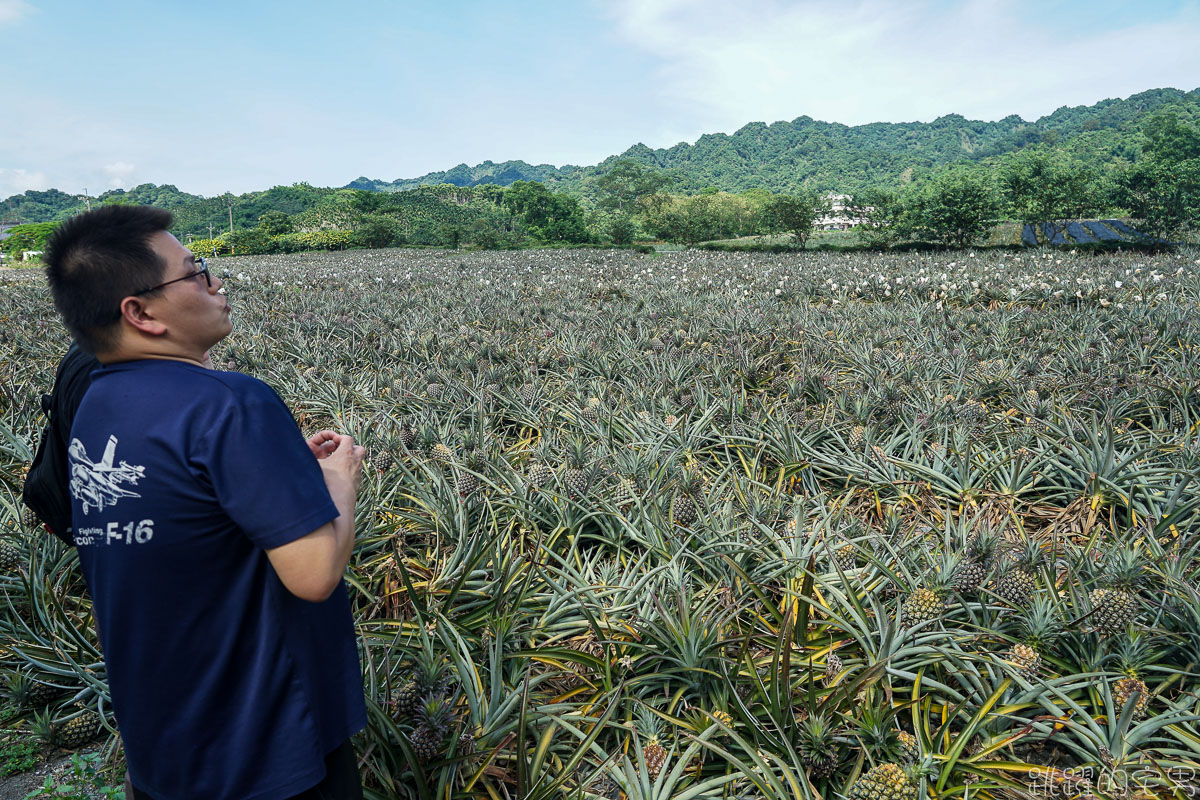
point(202, 271)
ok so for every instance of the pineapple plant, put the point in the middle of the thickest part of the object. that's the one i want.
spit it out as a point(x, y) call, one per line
point(910, 750)
point(27, 692)
point(927, 602)
point(408, 437)
point(577, 476)
point(683, 505)
point(42, 727)
point(1040, 627)
point(591, 410)
point(466, 479)
point(11, 556)
point(528, 394)
point(886, 781)
point(973, 569)
point(540, 473)
point(434, 387)
point(655, 755)
point(466, 473)
point(1133, 653)
point(857, 434)
point(434, 448)
point(630, 479)
point(427, 677)
point(817, 747)
point(1115, 607)
point(435, 716)
point(1016, 584)
point(383, 460)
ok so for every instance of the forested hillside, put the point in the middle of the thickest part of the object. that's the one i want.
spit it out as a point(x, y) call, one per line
point(828, 156)
point(949, 183)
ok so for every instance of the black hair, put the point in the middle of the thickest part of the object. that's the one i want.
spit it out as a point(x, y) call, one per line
point(95, 260)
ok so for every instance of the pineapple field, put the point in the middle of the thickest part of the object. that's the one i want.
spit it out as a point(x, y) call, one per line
point(716, 525)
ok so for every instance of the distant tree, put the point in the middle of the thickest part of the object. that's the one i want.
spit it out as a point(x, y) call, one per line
point(27, 237)
point(495, 232)
point(956, 208)
point(451, 236)
point(376, 231)
point(879, 216)
point(794, 214)
point(628, 181)
point(1170, 139)
point(1044, 186)
point(485, 234)
point(1162, 188)
point(249, 242)
point(275, 223)
point(549, 217)
point(621, 229)
point(756, 200)
point(702, 217)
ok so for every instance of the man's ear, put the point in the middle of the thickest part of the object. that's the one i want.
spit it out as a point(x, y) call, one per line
point(135, 312)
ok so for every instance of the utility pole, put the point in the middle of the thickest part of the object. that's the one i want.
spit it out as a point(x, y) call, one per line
point(87, 199)
point(231, 217)
point(210, 230)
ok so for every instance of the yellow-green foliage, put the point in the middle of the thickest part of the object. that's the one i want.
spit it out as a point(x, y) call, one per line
point(315, 240)
point(209, 247)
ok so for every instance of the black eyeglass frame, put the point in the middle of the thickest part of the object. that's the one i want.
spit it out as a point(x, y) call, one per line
point(202, 271)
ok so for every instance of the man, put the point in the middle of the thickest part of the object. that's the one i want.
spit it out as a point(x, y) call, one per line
point(213, 538)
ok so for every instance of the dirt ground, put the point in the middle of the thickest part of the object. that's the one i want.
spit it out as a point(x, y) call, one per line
point(16, 787)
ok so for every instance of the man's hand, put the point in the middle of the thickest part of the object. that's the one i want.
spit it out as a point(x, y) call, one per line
point(342, 461)
point(311, 567)
point(323, 443)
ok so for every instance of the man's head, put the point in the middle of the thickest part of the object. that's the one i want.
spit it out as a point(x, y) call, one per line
point(106, 269)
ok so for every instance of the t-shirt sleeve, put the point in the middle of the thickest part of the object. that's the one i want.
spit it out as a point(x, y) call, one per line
point(264, 476)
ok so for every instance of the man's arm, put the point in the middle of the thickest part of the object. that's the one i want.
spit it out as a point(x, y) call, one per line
point(311, 567)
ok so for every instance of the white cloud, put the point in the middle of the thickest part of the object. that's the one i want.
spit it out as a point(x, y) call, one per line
point(875, 60)
point(16, 181)
point(117, 174)
point(11, 11)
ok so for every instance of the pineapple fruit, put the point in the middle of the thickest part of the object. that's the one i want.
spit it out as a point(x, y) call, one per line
point(921, 606)
point(883, 782)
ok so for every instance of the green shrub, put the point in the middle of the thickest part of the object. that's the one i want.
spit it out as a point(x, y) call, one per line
point(86, 782)
point(250, 242)
point(18, 755)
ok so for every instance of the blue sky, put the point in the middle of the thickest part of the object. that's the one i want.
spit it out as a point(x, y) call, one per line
point(238, 96)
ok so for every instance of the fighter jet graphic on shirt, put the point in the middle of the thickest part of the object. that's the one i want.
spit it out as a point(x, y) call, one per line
point(97, 484)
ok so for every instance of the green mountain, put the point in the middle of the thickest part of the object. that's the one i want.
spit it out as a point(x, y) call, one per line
point(780, 157)
point(785, 156)
point(503, 174)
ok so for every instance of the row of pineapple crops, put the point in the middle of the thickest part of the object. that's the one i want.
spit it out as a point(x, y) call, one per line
point(703, 525)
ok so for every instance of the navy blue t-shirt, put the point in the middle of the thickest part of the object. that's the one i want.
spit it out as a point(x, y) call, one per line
point(224, 684)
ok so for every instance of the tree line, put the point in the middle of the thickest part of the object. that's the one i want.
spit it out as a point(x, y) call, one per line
point(955, 205)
